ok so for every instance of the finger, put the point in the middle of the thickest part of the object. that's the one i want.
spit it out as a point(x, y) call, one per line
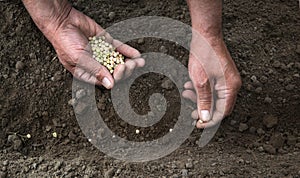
point(189, 94)
point(85, 76)
point(226, 98)
point(140, 62)
point(119, 72)
point(125, 49)
point(189, 85)
point(88, 64)
point(82, 75)
point(204, 98)
point(129, 65)
point(217, 117)
point(220, 109)
point(194, 114)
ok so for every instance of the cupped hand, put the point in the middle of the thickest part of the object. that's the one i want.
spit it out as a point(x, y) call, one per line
point(70, 40)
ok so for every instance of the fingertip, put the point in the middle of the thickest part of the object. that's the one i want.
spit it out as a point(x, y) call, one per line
point(190, 95)
point(119, 72)
point(107, 83)
point(194, 114)
point(205, 115)
point(130, 65)
point(140, 62)
point(188, 85)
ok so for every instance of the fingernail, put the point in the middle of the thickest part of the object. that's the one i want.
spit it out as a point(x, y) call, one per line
point(205, 116)
point(106, 83)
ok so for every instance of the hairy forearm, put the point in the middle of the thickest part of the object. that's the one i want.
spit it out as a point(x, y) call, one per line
point(206, 16)
point(48, 15)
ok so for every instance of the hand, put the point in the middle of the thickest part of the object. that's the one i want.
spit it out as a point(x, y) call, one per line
point(68, 30)
point(225, 78)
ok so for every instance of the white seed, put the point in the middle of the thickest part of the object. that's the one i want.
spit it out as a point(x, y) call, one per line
point(54, 134)
point(171, 130)
point(28, 136)
point(137, 131)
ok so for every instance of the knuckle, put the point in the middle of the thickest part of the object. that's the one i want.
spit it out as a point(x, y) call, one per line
point(205, 98)
point(202, 84)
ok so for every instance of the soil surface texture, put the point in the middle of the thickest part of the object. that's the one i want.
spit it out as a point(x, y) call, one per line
point(261, 138)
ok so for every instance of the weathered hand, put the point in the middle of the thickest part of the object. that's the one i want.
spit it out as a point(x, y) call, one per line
point(225, 80)
point(68, 30)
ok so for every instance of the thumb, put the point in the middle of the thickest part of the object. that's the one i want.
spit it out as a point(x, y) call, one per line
point(204, 98)
point(97, 70)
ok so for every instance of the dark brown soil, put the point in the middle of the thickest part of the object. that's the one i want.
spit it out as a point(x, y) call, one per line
point(260, 139)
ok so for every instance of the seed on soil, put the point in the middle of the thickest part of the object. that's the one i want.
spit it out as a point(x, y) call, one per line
point(137, 131)
point(54, 134)
point(105, 53)
point(28, 136)
point(20, 65)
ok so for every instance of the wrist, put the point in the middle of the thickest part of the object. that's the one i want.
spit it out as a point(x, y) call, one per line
point(48, 15)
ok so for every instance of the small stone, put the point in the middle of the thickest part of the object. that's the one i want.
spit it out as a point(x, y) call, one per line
point(57, 76)
point(297, 75)
point(41, 159)
point(48, 128)
point(297, 65)
point(72, 102)
point(276, 64)
point(58, 165)
point(241, 161)
point(141, 41)
point(268, 100)
point(3, 174)
point(260, 149)
point(163, 49)
point(80, 93)
point(264, 79)
point(111, 15)
point(258, 90)
point(16, 142)
point(5, 163)
point(243, 127)
point(269, 149)
point(32, 56)
point(189, 165)
point(290, 87)
point(277, 140)
point(81, 108)
point(109, 173)
point(34, 165)
point(233, 122)
point(298, 49)
point(184, 172)
point(260, 131)
point(72, 135)
point(167, 84)
point(270, 121)
point(253, 78)
point(252, 130)
point(291, 140)
point(20, 65)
